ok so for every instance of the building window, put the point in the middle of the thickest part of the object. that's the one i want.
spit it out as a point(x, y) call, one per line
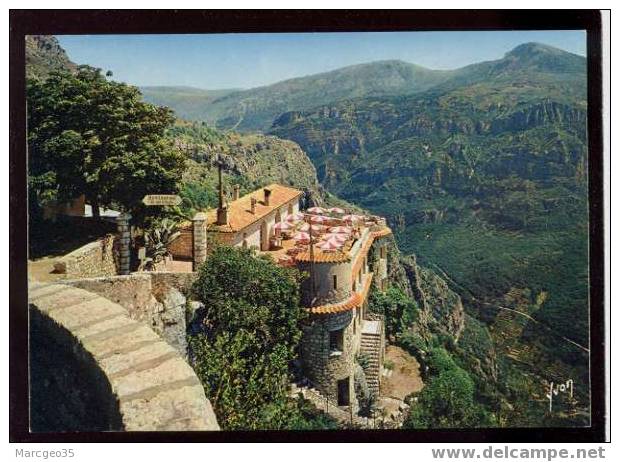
point(335, 279)
point(383, 252)
point(354, 286)
point(336, 338)
point(290, 209)
point(359, 277)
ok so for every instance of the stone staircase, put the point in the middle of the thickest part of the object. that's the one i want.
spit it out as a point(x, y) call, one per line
point(340, 414)
point(371, 348)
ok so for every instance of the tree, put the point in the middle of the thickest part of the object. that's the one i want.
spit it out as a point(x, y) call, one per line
point(93, 136)
point(251, 330)
point(399, 310)
point(447, 400)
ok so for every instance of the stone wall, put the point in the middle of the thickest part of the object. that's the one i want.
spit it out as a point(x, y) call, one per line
point(324, 285)
point(68, 390)
point(182, 247)
point(155, 299)
point(325, 368)
point(98, 258)
point(94, 368)
point(181, 281)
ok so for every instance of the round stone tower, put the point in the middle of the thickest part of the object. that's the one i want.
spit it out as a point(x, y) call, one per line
point(332, 332)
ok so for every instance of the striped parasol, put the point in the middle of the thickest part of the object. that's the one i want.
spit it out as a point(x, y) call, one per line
point(316, 210)
point(315, 228)
point(318, 219)
point(283, 226)
point(295, 217)
point(340, 230)
point(329, 244)
point(341, 238)
point(337, 210)
point(302, 236)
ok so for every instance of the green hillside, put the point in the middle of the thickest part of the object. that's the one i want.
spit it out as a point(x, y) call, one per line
point(484, 178)
point(256, 109)
point(188, 102)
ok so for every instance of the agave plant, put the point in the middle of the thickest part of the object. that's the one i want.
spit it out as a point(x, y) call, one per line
point(158, 239)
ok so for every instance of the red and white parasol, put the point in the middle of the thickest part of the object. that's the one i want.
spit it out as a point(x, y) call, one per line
point(302, 236)
point(329, 244)
point(318, 219)
point(341, 238)
point(295, 217)
point(283, 226)
point(340, 230)
point(314, 227)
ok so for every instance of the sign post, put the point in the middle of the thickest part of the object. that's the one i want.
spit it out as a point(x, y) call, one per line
point(161, 199)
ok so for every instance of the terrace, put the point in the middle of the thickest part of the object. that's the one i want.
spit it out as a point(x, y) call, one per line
point(333, 235)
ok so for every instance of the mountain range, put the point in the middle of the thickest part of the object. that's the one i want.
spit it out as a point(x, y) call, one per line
point(481, 172)
point(256, 109)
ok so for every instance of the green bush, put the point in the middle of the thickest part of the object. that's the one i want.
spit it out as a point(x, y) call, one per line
point(448, 398)
point(251, 331)
point(399, 310)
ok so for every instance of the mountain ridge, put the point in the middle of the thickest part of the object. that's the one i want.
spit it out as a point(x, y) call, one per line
point(256, 109)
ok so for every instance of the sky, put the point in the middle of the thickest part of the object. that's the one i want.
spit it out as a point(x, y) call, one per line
point(218, 61)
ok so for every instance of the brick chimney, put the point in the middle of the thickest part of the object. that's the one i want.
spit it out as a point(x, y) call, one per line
point(235, 192)
point(253, 205)
point(267, 195)
point(222, 209)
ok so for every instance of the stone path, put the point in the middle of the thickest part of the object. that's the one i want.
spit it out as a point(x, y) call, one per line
point(156, 389)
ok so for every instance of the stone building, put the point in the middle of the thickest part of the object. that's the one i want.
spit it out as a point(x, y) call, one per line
point(248, 220)
point(335, 291)
point(340, 328)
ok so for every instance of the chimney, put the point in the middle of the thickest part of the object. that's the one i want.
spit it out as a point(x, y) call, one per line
point(235, 192)
point(267, 195)
point(253, 205)
point(222, 209)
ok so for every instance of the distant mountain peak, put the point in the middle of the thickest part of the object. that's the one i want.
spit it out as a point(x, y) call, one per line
point(530, 49)
point(535, 56)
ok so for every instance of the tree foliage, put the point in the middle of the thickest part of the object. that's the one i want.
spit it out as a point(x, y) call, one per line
point(448, 398)
point(93, 136)
point(251, 330)
point(399, 310)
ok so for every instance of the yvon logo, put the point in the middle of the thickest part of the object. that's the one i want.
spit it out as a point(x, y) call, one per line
point(555, 389)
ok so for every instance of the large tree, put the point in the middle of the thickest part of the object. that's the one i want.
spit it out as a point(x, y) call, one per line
point(90, 135)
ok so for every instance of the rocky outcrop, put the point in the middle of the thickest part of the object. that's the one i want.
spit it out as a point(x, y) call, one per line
point(253, 160)
point(44, 55)
point(545, 112)
point(439, 306)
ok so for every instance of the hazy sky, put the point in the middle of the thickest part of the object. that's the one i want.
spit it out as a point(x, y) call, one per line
point(215, 61)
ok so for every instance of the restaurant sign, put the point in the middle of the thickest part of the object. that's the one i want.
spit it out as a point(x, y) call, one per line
point(161, 199)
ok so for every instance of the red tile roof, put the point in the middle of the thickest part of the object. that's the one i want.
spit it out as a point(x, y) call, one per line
point(239, 211)
point(382, 233)
point(324, 257)
point(357, 299)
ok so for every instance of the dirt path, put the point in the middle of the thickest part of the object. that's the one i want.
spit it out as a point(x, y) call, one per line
point(405, 377)
point(42, 270)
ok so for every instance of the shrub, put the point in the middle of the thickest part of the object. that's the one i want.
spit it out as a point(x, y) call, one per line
point(251, 332)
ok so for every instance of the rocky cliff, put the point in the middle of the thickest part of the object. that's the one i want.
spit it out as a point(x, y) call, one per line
point(44, 55)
